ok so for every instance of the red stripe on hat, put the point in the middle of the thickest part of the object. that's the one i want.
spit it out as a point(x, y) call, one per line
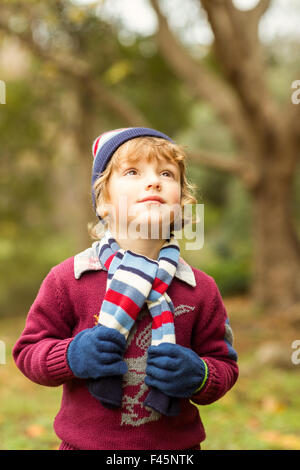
point(164, 317)
point(159, 285)
point(96, 146)
point(121, 300)
point(97, 141)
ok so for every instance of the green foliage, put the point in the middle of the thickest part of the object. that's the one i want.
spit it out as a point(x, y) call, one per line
point(232, 276)
point(31, 126)
point(40, 114)
point(226, 254)
point(157, 91)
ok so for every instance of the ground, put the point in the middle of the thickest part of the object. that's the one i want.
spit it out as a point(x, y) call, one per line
point(260, 412)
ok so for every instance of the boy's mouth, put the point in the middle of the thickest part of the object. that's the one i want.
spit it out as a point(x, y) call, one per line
point(153, 199)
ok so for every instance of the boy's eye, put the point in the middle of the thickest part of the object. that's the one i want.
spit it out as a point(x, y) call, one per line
point(169, 172)
point(129, 171)
point(165, 171)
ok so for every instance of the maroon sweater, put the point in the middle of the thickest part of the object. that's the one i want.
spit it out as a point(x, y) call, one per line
point(67, 302)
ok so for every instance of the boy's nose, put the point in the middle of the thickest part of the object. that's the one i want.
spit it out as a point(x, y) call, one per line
point(154, 184)
point(152, 180)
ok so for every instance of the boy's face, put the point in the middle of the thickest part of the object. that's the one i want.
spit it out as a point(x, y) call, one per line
point(132, 182)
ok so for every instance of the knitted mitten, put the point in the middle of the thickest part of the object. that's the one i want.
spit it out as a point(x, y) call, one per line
point(164, 404)
point(97, 352)
point(108, 390)
point(175, 370)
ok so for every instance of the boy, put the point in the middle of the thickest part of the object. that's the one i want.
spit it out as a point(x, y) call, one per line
point(134, 333)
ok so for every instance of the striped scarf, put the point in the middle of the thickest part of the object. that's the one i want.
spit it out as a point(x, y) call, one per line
point(134, 279)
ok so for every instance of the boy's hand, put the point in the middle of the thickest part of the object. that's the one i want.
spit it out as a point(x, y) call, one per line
point(97, 352)
point(175, 370)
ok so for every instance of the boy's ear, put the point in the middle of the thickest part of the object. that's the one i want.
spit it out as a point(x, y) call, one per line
point(101, 210)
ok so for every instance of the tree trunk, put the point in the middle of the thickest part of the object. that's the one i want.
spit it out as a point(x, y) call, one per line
point(72, 195)
point(276, 261)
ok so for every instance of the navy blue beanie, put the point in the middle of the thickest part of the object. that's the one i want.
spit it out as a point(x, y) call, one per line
point(107, 143)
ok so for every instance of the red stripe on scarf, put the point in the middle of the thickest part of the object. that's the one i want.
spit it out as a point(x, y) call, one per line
point(159, 285)
point(109, 260)
point(164, 317)
point(121, 300)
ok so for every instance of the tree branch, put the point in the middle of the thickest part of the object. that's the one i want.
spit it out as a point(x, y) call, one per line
point(80, 70)
point(236, 166)
point(260, 9)
point(201, 82)
point(239, 52)
point(215, 161)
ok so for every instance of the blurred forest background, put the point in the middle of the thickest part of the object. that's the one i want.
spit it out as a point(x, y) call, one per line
point(215, 76)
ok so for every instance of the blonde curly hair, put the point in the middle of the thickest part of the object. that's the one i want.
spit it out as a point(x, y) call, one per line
point(151, 148)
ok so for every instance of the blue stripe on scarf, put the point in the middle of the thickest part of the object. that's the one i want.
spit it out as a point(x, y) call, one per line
point(119, 256)
point(142, 258)
point(106, 251)
point(165, 329)
point(128, 290)
point(155, 310)
point(113, 244)
point(170, 261)
point(114, 265)
point(131, 270)
point(117, 312)
point(138, 263)
point(138, 272)
point(173, 254)
point(154, 296)
point(169, 244)
point(164, 276)
point(166, 306)
point(104, 254)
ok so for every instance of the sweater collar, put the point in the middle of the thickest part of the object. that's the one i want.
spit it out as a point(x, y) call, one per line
point(88, 260)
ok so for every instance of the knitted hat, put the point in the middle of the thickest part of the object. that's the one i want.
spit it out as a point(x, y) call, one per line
point(107, 143)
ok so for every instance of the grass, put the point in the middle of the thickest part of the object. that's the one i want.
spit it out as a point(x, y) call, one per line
point(260, 412)
point(27, 410)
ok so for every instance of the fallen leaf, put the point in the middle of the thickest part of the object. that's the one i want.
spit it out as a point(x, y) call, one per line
point(286, 441)
point(35, 430)
point(271, 405)
point(253, 423)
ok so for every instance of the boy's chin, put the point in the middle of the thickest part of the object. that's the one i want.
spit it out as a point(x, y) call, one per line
point(155, 228)
point(145, 226)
